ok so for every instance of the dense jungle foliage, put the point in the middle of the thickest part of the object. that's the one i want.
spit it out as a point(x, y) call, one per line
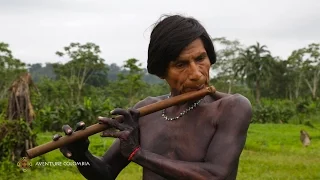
point(282, 91)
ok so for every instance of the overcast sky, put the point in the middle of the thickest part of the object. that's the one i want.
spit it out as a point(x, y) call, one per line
point(36, 29)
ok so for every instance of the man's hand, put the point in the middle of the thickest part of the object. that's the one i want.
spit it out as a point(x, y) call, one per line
point(76, 149)
point(129, 133)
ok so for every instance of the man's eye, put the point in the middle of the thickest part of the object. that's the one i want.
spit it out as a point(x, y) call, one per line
point(180, 65)
point(201, 58)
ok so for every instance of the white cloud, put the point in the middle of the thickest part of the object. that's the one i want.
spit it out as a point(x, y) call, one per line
point(36, 29)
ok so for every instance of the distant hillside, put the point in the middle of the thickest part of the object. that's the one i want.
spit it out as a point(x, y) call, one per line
point(38, 71)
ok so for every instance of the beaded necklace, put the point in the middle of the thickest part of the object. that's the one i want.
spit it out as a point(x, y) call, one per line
point(194, 105)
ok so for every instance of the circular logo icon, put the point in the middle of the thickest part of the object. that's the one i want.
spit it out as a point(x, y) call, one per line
point(24, 164)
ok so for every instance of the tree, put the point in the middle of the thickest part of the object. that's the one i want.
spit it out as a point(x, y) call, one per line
point(84, 61)
point(129, 87)
point(276, 86)
point(20, 108)
point(99, 78)
point(10, 68)
point(304, 66)
point(38, 72)
point(312, 68)
point(226, 58)
point(254, 65)
point(113, 72)
point(19, 105)
point(295, 72)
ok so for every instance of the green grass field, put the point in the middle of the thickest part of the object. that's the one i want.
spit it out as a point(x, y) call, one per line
point(272, 151)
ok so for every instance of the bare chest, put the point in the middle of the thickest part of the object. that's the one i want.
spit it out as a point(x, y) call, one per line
point(186, 138)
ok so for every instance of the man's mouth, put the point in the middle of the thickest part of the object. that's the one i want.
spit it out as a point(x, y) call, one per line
point(195, 88)
point(200, 87)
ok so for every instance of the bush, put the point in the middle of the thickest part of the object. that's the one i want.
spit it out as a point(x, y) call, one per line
point(53, 117)
point(273, 111)
point(13, 134)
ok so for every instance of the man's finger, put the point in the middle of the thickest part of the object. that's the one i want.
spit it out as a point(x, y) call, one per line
point(115, 134)
point(112, 122)
point(67, 129)
point(56, 137)
point(65, 152)
point(134, 113)
point(123, 112)
point(80, 126)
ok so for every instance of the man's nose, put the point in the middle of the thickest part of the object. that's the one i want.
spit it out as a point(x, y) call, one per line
point(195, 73)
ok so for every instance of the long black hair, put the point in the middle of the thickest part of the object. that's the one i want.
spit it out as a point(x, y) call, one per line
point(170, 36)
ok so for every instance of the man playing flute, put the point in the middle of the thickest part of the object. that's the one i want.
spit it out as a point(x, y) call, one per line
point(202, 139)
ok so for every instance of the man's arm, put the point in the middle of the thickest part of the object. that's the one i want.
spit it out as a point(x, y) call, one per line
point(222, 154)
point(107, 167)
point(111, 163)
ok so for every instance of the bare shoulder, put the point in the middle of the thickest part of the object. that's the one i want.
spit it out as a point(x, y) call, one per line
point(232, 100)
point(238, 101)
point(235, 107)
point(231, 105)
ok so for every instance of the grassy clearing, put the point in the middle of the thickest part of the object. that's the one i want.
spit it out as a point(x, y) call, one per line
point(275, 152)
point(272, 152)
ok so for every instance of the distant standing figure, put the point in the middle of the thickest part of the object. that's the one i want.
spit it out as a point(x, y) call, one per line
point(305, 138)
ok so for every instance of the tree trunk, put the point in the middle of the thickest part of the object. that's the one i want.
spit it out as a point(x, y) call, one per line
point(79, 94)
point(313, 88)
point(230, 86)
point(290, 93)
point(20, 107)
point(258, 92)
point(298, 86)
point(315, 84)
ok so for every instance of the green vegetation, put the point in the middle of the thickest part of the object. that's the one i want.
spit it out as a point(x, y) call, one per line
point(272, 151)
point(284, 94)
point(275, 152)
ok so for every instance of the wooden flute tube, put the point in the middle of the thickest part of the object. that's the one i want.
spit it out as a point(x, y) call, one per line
point(96, 128)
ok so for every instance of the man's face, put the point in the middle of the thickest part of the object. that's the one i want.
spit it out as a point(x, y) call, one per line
point(190, 71)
